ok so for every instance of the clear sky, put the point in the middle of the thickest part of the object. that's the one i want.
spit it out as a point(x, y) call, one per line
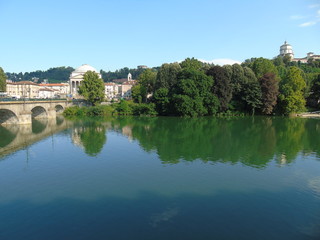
point(112, 34)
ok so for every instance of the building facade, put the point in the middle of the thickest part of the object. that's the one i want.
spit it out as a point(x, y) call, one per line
point(23, 89)
point(61, 90)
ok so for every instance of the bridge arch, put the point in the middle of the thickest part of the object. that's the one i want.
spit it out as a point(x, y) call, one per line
point(39, 112)
point(59, 108)
point(8, 117)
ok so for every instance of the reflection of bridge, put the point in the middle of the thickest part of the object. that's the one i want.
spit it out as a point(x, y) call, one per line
point(23, 112)
point(20, 136)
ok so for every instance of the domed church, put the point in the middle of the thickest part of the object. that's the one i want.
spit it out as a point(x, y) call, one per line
point(286, 50)
point(77, 76)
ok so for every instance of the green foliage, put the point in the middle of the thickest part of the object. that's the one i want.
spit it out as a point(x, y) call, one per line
point(252, 96)
point(291, 92)
point(261, 66)
point(191, 63)
point(314, 98)
point(139, 93)
point(144, 109)
point(74, 111)
point(3, 79)
point(167, 75)
point(124, 108)
point(147, 79)
point(193, 96)
point(161, 100)
point(92, 88)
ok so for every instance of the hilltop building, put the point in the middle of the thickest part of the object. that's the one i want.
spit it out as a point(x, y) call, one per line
point(76, 77)
point(286, 50)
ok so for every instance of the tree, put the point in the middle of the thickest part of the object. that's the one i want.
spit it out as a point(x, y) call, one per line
point(260, 66)
point(222, 86)
point(291, 92)
point(252, 96)
point(270, 91)
point(191, 63)
point(314, 98)
point(139, 93)
point(148, 79)
point(237, 78)
point(3, 79)
point(161, 99)
point(193, 96)
point(92, 88)
point(167, 75)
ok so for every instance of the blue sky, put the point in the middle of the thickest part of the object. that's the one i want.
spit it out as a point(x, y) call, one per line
point(109, 35)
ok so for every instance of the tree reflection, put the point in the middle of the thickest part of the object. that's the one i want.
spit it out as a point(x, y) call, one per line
point(250, 141)
point(91, 135)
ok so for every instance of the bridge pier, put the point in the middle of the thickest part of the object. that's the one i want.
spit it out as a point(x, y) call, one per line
point(52, 112)
point(25, 117)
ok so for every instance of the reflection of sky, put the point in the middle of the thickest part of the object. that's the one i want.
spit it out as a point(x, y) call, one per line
point(55, 168)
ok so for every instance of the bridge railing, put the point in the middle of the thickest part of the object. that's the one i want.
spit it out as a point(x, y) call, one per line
point(31, 99)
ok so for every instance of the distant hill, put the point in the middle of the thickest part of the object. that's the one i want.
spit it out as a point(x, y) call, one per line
point(57, 74)
point(62, 74)
point(122, 73)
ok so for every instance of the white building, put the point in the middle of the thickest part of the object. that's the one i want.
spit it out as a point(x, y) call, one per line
point(286, 50)
point(60, 89)
point(46, 93)
point(76, 77)
point(111, 90)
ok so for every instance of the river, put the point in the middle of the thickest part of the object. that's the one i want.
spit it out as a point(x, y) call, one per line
point(161, 178)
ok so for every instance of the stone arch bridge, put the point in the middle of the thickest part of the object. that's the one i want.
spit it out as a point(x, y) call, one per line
point(22, 112)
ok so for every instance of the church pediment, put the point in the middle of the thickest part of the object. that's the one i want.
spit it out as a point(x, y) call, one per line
point(80, 76)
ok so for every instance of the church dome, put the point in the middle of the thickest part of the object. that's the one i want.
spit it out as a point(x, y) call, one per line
point(286, 49)
point(85, 68)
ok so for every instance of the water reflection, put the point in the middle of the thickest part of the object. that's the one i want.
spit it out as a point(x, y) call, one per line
point(89, 135)
point(250, 141)
point(16, 137)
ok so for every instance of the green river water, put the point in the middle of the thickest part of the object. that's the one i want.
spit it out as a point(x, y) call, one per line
point(161, 178)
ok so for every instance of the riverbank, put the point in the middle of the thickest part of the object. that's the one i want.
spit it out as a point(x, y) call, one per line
point(309, 114)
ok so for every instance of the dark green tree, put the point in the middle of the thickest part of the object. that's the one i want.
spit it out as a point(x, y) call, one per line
point(3, 79)
point(192, 96)
point(314, 98)
point(161, 99)
point(270, 91)
point(92, 88)
point(222, 86)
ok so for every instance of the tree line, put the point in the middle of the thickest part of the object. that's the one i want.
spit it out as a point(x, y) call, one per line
point(56, 74)
point(259, 85)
